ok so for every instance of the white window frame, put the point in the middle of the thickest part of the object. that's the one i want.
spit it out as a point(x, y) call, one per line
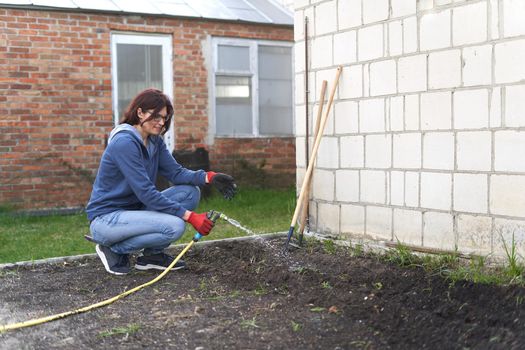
point(253, 45)
point(167, 69)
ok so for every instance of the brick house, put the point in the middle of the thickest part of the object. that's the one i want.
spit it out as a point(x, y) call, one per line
point(68, 72)
point(425, 141)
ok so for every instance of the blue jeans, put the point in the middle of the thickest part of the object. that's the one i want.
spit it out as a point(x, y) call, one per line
point(127, 231)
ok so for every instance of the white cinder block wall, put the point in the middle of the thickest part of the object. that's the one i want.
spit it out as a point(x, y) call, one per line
point(425, 143)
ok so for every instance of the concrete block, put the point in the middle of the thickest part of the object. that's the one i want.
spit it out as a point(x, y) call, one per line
point(407, 151)
point(494, 19)
point(378, 151)
point(412, 189)
point(325, 10)
point(410, 34)
point(328, 154)
point(438, 231)
point(375, 11)
point(513, 14)
point(299, 56)
point(395, 38)
point(347, 185)
point(412, 112)
point(323, 184)
point(438, 150)
point(299, 176)
point(370, 42)
point(507, 195)
point(423, 5)
point(346, 117)
point(300, 156)
point(442, 2)
point(396, 113)
point(412, 73)
point(471, 109)
point(366, 80)
point(407, 226)
point(401, 8)
point(352, 152)
point(345, 47)
point(349, 14)
point(328, 217)
point(474, 234)
point(474, 150)
point(298, 32)
point(350, 83)
point(469, 24)
point(300, 123)
point(509, 233)
point(379, 223)
point(471, 193)
point(299, 87)
point(477, 65)
point(444, 69)
point(321, 52)
point(352, 219)
point(372, 115)
point(382, 78)
point(436, 190)
point(495, 108)
point(373, 186)
point(436, 111)
point(510, 61)
point(397, 188)
point(507, 142)
point(515, 106)
point(434, 30)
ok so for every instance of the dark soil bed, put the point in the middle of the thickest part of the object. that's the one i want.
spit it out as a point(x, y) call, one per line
point(246, 295)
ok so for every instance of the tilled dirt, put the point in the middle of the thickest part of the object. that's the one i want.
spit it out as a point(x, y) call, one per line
point(248, 295)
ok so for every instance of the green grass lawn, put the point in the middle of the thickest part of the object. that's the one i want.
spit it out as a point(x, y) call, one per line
point(33, 237)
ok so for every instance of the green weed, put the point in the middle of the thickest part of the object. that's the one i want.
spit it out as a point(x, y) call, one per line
point(129, 329)
point(514, 269)
point(296, 327)
point(329, 246)
point(249, 323)
point(317, 309)
point(326, 285)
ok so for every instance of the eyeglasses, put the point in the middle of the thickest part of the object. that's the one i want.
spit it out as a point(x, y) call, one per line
point(157, 118)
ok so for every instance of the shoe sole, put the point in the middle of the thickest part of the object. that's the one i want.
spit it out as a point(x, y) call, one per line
point(156, 267)
point(105, 262)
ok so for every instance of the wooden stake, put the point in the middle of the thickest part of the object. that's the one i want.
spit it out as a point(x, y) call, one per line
point(313, 155)
point(306, 201)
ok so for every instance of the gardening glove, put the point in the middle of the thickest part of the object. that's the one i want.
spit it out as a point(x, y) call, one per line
point(201, 223)
point(224, 183)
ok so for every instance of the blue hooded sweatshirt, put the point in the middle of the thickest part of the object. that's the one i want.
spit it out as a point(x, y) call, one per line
point(127, 173)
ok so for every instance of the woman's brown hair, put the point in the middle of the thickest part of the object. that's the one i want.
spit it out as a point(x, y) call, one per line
point(149, 99)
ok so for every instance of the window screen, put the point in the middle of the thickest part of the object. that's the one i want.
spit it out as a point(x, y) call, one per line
point(233, 105)
point(275, 90)
point(234, 58)
point(139, 67)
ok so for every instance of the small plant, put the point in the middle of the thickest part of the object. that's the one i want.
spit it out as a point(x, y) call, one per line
point(317, 309)
point(249, 323)
point(129, 329)
point(326, 285)
point(260, 290)
point(296, 327)
point(519, 300)
point(357, 249)
point(378, 285)
point(514, 269)
point(401, 255)
point(329, 246)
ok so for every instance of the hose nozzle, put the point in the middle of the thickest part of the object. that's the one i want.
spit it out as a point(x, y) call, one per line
point(213, 216)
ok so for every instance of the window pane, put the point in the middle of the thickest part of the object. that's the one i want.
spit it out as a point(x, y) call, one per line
point(234, 58)
point(138, 67)
point(233, 105)
point(275, 90)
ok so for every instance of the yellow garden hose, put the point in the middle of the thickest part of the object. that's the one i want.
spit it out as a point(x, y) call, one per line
point(37, 321)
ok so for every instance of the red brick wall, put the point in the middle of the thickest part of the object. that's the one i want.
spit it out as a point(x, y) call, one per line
point(55, 101)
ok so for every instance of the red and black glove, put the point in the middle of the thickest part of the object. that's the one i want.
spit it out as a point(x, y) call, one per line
point(224, 183)
point(201, 223)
